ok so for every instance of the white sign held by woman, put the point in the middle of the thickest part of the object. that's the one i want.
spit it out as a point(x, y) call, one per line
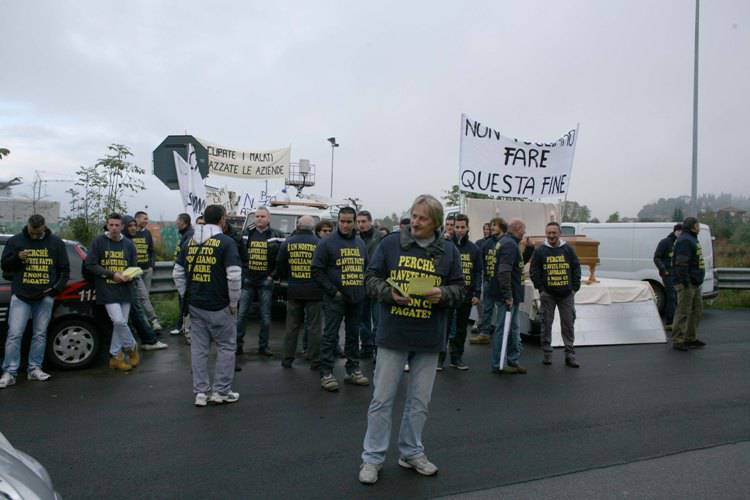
point(192, 188)
point(493, 164)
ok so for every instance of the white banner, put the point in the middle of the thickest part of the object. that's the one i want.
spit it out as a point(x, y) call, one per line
point(192, 188)
point(495, 165)
point(258, 164)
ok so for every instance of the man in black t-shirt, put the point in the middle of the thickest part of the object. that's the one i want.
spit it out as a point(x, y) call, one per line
point(207, 274)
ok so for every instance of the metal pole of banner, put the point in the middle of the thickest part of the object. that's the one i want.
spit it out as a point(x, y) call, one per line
point(506, 334)
point(694, 183)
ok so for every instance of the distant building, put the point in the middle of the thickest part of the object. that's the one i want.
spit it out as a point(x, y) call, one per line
point(18, 210)
point(734, 212)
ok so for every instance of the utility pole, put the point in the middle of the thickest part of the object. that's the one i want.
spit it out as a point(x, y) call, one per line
point(694, 184)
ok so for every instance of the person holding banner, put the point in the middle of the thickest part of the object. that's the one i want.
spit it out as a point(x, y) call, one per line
point(412, 328)
point(556, 273)
point(508, 293)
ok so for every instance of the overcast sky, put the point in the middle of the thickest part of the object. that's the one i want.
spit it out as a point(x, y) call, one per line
point(389, 80)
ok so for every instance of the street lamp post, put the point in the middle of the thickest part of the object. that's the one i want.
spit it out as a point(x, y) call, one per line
point(694, 183)
point(334, 145)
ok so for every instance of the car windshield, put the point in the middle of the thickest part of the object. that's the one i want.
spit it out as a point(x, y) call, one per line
point(286, 223)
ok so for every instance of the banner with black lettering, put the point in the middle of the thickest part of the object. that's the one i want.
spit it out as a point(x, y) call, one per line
point(192, 187)
point(492, 164)
point(254, 164)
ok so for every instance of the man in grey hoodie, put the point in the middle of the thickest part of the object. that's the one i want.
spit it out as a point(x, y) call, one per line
point(208, 275)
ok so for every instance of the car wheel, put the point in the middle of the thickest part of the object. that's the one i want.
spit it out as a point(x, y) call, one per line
point(72, 343)
point(660, 296)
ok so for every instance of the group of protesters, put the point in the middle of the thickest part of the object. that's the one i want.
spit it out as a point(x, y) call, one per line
point(349, 272)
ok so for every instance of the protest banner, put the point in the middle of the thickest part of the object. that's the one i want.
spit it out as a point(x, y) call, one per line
point(256, 164)
point(495, 165)
point(192, 188)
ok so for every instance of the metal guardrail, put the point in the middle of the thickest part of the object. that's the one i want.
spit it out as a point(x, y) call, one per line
point(162, 281)
point(733, 278)
point(728, 278)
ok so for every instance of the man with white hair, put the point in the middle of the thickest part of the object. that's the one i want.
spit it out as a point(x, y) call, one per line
point(262, 247)
point(303, 294)
point(508, 287)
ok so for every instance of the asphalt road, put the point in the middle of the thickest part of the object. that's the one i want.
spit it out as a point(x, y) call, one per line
point(554, 433)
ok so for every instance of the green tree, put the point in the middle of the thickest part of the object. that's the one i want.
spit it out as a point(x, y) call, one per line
point(452, 196)
point(678, 216)
point(121, 176)
point(572, 211)
point(615, 217)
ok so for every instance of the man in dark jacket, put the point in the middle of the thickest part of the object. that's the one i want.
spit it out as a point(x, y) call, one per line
point(144, 245)
point(185, 230)
point(663, 261)
point(507, 292)
point(303, 293)
point(138, 316)
point(372, 238)
point(338, 267)
point(471, 266)
point(412, 328)
point(556, 273)
point(37, 263)
point(263, 244)
point(111, 254)
point(498, 227)
point(689, 273)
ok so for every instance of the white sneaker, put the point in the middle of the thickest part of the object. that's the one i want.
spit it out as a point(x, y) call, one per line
point(38, 374)
point(176, 331)
point(368, 473)
point(6, 380)
point(230, 397)
point(201, 399)
point(419, 464)
point(154, 347)
point(156, 325)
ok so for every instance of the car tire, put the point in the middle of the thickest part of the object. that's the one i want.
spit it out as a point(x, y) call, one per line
point(661, 298)
point(72, 344)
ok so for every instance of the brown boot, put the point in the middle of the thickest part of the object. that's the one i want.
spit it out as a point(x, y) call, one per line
point(118, 362)
point(134, 358)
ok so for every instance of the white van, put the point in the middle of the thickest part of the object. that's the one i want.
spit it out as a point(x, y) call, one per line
point(626, 251)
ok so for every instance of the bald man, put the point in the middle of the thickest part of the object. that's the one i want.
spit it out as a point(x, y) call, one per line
point(303, 293)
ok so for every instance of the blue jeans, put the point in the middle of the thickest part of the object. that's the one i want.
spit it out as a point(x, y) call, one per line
point(40, 312)
point(513, 354)
point(369, 325)
point(263, 292)
point(670, 299)
point(122, 337)
point(138, 318)
point(488, 309)
point(388, 373)
point(334, 312)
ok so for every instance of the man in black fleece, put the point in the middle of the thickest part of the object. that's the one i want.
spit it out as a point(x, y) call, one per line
point(303, 293)
point(338, 267)
point(412, 328)
point(663, 262)
point(38, 266)
point(689, 273)
point(507, 291)
point(369, 324)
point(144, 246)
point(471, 266)
point(263, 244)
point(110, 254)
point(185, 230)
point(556, 273)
